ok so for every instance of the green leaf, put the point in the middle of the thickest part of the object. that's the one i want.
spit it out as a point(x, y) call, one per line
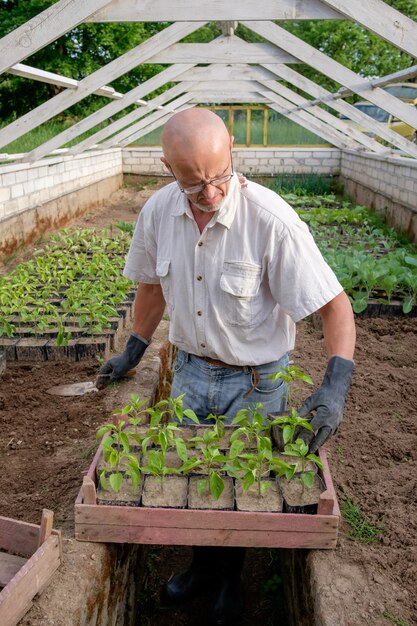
point(308, 478)
point(191, 415)
point(216, 485)
point(116, 481)
point(124, 439)
point(287, 433)
point(181, 449)
point(248, 480)
point(265, 485)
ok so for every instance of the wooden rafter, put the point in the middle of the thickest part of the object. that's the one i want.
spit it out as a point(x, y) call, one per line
point(88, 85)
point(334, 70)
point(45, 28)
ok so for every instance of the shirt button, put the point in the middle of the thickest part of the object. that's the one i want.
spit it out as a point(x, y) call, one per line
point(200, 243)
point(199, 312)
point(203, 345)
point(199, 278)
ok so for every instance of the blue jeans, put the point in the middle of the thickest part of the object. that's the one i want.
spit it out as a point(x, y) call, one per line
point(220, 390)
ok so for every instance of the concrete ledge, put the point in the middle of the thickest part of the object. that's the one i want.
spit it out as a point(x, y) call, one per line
point(24, 227)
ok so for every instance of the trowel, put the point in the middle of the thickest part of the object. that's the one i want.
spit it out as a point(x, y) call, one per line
point(79, 389)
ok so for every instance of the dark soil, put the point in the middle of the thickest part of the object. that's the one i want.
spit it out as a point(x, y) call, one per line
point(47, 444)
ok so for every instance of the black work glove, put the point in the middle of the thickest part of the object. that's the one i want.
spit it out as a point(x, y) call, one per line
point(118, 366)
point(328, 401)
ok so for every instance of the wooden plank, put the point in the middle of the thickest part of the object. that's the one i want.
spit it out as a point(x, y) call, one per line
point(9, 566)
point(303, 83)
point(311, 123)
point(217, 10)
point(329, 496)
point(205, 537)
point(137, 114)
point(229, 73)
point(46, 526)
point(30, 580)
point(140, 517)
point(45, 28)
point(225, 97)
point(89, 491)
point(156, 124)
point(147, 124)
point(382, 19)
point(17, 536)
point(328, 118)
point(107, 111)
point(338, 72)
point(26, 71)
point(223, 50)
point(104, 75)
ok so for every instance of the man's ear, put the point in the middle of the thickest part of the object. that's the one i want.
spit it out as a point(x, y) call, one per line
point(165, 162)
point(231, 141)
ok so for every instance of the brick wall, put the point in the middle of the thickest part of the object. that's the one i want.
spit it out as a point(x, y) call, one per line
point(387, 185)
point(250, 161)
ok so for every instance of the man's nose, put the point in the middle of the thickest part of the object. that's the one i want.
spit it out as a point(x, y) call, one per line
point(209, 190)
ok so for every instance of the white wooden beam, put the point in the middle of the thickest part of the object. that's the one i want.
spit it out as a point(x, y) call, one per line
point(335, 70)
point(328, 118)
point(381, 19)
point(160, 101)
point(312, 123)
point(395, 77)
point(145, 126)
point(228, 73)
point(211, 97)
point(223, 50)
point(33, 73)
point(104, 75)
point(44, 28)
point(107, 111)
point(241, 87)
point(315, 90)
point(214, 11)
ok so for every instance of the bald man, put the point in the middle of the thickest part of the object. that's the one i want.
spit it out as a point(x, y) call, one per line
point(236, 268)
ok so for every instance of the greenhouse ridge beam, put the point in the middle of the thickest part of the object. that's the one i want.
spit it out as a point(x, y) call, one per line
point(180, 10)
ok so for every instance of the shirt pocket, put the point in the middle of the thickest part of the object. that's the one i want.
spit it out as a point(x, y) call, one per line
point(163, 273)
point(241, 300)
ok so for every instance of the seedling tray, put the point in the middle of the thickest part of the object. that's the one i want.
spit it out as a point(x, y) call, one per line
point(167, 526)
point(29, 556)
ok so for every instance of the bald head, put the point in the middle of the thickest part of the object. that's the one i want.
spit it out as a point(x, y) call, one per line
point(192, 133)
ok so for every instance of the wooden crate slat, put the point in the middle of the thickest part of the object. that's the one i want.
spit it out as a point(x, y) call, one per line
point(9, 566)
point(205, 537)
point(17, 536)
point(128, 524)
point(16, 597)
point(139, 517)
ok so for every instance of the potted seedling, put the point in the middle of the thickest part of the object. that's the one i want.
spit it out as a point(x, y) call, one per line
point(210, 489)
point(164, 486)
point(302, 493)
point(137, 418)
point(285, 427)
point(120, 470)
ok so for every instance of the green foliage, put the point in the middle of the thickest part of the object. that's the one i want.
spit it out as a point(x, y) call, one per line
point(67, 283)
point(299, 449)
point(309, 184)
point(361, 529)
point(395, 620)
point(290, 425)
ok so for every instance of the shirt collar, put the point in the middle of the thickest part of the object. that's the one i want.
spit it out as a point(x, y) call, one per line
point(227, 212)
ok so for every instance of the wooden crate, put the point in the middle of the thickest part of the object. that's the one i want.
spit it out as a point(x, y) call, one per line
point(127, 524)
point(29, 556)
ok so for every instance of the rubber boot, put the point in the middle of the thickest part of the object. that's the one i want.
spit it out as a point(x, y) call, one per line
point(199, 576)
point(229, 602)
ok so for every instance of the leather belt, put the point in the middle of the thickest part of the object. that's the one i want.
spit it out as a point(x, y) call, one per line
point(255, 376)
point(218, 363)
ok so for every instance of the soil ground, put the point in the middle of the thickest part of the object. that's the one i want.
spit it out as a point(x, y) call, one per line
point(47, 444)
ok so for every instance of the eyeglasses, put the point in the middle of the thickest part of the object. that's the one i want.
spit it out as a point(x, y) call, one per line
point(220, 180)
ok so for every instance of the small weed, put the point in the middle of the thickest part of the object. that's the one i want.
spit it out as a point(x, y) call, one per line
point(361, 529)
point(340, 452)
point(395, 620)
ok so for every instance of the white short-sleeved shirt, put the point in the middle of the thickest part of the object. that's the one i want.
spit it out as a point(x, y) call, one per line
point(235, 291)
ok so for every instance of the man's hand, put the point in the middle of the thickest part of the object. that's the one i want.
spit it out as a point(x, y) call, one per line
point(328, 401)
point(118, 366)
